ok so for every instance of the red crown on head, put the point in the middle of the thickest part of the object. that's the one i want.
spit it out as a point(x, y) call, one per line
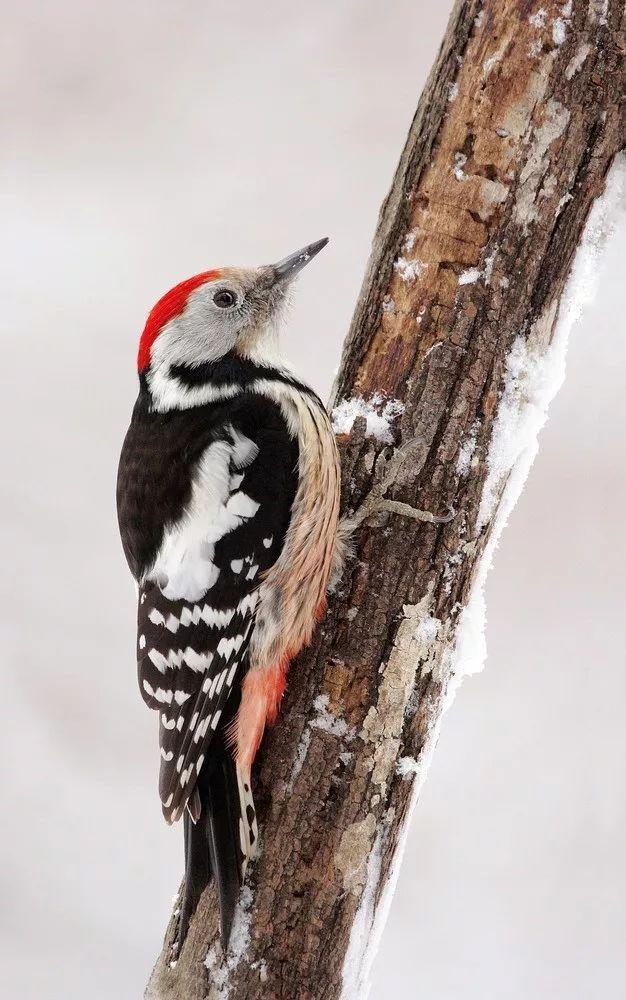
point(170, 305)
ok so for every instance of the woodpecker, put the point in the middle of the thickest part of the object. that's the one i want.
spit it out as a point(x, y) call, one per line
point(228, 503)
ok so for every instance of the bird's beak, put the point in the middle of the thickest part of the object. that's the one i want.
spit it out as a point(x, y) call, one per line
point(287, 268)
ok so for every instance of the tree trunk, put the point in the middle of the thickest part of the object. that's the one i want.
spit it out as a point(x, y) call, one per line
point(459, 322)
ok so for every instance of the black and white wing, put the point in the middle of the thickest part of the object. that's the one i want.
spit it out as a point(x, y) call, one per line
point(198, 597)
point(193, 656)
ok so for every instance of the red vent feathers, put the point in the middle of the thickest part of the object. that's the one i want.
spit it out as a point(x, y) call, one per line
point(171, 305)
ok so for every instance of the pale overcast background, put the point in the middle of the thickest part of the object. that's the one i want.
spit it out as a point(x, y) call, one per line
point(142, 143)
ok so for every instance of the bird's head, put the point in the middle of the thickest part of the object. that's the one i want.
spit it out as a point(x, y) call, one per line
point(215, 313)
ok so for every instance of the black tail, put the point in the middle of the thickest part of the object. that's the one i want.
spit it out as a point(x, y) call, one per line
point(212, 843)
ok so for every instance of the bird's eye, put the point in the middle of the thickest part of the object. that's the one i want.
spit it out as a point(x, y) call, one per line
point(224, 298)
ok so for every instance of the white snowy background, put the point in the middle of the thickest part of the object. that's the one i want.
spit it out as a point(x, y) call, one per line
point(145, 142)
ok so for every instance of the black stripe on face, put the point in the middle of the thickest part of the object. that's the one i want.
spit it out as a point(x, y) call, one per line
point(233, 369)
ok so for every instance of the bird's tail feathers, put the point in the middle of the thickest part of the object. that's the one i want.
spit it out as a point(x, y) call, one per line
point(221, 842)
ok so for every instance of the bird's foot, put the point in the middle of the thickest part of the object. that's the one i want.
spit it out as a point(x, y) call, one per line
point(377, 501)
point(375, 504)
point(369, 508)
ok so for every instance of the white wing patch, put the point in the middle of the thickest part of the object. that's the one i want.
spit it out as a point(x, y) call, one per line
point(242, 505)
point(184, 567)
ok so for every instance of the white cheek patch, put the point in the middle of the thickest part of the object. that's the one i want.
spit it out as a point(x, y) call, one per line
point(200, 333)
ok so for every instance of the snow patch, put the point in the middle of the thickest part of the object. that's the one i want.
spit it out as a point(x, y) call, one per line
point(489, 262)
point(427, 630)
point(377, 412)
point(470, 276)
point(328, 723)
point(494, 59)
point(470, 650)
point(370, 920)
point(238, 945)
point(357, 964)
point(409, 240)
point(453, 91)
point(562, 203)
point(301, 752)
point(538, 19)
point(407, 767)
point(409, 270)
point(559, 30)
point(466, 451)
point(534, 375)
point(469, 653)
point(460, 159)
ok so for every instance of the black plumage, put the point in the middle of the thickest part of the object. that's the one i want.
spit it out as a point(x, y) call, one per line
point(192, 653)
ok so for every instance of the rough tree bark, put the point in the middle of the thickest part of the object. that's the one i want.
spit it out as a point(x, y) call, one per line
point(513, 136)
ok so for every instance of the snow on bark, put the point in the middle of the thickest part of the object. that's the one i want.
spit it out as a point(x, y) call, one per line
point(238, 945)
point(420, 644)
point(371, 916)
point(377, 412)
point(324, 721)
point(535, 373)
point(470, 276)
point(466, 451)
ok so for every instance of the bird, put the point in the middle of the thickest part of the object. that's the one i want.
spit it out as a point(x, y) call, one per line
point(228, 502)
